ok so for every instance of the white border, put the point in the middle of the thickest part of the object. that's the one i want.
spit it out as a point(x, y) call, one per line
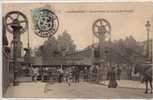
point(69, 1)
point(45, 1)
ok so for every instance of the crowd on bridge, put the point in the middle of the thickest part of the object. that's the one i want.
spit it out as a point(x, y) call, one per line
point(75, 74)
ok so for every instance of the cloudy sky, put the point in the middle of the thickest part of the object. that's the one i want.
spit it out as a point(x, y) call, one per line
point(77, 18)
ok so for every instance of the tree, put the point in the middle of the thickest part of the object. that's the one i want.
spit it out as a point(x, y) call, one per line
point(39, 51)
point(65, 43)
point(127, 50)
point(49, 48)
point(55, 47)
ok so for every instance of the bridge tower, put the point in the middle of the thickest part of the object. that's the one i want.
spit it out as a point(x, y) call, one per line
point(102, 30)
point(16, 23)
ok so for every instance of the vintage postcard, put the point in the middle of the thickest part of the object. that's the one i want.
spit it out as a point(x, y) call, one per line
point(77, 50)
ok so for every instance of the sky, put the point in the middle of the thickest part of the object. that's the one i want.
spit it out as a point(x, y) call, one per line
point(125, 18)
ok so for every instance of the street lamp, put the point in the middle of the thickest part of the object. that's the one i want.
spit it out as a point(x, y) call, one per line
point(147, 25)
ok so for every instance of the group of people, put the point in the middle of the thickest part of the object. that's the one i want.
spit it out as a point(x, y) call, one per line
point(36, 73)
point(74, 74)
point(70, 74)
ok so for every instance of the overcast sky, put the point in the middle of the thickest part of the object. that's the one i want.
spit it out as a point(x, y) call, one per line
point(79, 25)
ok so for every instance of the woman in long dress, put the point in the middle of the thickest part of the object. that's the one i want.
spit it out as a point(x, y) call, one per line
point(112, 78)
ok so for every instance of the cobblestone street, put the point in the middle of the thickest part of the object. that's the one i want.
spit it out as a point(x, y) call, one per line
point(78, 90)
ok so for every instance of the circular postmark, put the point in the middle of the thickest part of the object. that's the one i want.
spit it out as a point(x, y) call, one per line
point(46, 23)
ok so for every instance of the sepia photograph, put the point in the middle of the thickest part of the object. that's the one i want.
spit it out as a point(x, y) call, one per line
point(88, 50)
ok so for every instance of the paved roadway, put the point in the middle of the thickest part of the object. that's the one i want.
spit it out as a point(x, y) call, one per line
point(76, 90)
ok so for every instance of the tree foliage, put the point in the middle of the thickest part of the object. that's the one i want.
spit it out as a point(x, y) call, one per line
point(65, 43)
point(55, 47)
point(127, 51)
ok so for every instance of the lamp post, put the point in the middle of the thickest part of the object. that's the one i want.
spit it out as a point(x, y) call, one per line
point(147, 25)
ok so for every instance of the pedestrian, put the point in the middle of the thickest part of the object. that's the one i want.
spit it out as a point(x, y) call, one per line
point(112, 78)
point(129, 73)
point(118, 72)
point(35, 73)
point(77, 75)
point(45, 74)
point(73, 71)
point(85, 74)
point(94, 73)
point(60, 75)
point(68, 75)
point(97, 74)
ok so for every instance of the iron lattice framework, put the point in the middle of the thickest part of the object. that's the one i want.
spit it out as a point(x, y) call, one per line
point(16, 18)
